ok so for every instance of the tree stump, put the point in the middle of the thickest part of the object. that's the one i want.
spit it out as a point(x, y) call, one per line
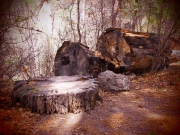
point(61, 94)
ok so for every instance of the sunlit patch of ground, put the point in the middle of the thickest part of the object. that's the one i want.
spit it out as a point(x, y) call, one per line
point(115, 120)
point(58, 123)
point(151, 107)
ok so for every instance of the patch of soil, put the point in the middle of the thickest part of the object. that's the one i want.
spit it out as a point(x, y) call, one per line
point(151, 107)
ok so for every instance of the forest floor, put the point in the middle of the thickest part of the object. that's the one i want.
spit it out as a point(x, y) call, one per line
point(151, 107)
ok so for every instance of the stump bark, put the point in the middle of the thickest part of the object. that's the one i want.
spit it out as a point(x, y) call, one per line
point(58, 95)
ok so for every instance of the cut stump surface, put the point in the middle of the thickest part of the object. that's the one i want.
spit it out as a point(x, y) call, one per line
point(58, 94)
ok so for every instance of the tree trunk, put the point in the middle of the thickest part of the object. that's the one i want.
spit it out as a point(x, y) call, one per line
point(113, 21)
point(78, 23)
point(115, 11)
point(83, 18)
point(160, 21)
point(76, 59)
point(130, 51)
point(102, 15)
point(71, 22)
point(118, 24)
point(148, 18)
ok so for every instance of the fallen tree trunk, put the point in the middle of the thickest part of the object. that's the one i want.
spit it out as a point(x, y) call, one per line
point(131, 51)
point(76, 59)
point(117, 50)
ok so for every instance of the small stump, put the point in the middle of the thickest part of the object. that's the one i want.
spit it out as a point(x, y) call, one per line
point(58, 94)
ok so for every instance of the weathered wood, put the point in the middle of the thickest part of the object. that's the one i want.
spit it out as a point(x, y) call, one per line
point(76, 59)
point(130, 51)
point(58, 95)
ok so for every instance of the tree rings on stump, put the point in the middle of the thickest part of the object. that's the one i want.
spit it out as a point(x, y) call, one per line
point(58, 94)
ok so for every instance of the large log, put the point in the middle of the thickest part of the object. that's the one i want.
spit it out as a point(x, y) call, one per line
point(130, 51)
point(61, 94)
point(76, 59)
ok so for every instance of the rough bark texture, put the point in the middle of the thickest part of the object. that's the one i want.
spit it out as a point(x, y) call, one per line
point(76, 59)
point(130, 51)
point(118, 50)
point(58, 95)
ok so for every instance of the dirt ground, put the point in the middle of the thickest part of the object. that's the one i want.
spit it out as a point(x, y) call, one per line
point(151, 107)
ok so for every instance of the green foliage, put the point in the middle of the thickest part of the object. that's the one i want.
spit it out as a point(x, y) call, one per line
point(153, 20)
